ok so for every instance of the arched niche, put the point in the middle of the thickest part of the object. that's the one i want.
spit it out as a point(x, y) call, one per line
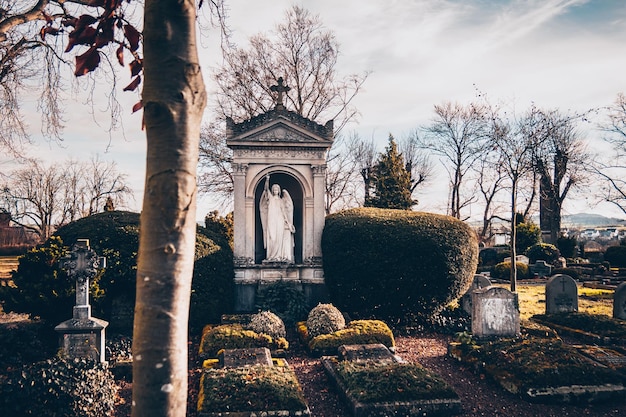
point(295, 189)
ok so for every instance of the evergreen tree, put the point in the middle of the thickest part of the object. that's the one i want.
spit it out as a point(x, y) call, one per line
point(391, 181)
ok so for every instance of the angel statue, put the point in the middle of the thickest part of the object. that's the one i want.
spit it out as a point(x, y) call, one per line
point(277, 223)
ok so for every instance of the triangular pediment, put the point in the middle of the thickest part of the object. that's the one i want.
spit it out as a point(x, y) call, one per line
point(279, 127)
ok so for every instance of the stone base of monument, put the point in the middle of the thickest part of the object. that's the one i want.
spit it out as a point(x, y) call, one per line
point(369, 362)
point(251, 278)
point(83, 338)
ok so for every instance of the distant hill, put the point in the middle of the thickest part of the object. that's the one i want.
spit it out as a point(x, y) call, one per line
point(583, 220)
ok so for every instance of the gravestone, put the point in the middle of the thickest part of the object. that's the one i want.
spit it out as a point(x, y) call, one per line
point(480, 281)
point(619, 302)
point(82, 336)
point(495, 313)
point(561, 295)
point(541, 268)
point(376, 352)
point(236, 358)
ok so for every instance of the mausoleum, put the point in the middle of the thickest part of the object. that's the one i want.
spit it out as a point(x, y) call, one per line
point(279, 168)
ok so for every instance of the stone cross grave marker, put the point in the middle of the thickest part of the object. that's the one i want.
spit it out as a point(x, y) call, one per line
point(541, 268)
point(480, 281)
point(619, 302)
point(82, 336)
point(495, 313)
point(561, 294)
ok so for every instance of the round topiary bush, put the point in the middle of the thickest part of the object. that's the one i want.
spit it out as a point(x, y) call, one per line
point(268, 323)
point(503, 270)
point(59, 388)
point(324, 319)
point(397, 265)
point(544, 252)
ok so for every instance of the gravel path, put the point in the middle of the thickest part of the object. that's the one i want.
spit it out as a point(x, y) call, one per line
point(479, 395)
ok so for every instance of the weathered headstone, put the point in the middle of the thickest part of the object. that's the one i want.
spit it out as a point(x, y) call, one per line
point(619, 302)
point(541, 268)
point(561, 294)
point(236, 358)
point(82, 336)
point(495, 313)
point(364, 353)
point(479, 282)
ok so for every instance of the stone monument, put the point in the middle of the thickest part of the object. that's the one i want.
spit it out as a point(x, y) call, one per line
point(561, 295)
point(480, 281)
point(82, 336)
point(495, 313)
point(279, 168)
point(619, 302)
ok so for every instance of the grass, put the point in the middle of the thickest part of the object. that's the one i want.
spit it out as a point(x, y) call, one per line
point(532, 300)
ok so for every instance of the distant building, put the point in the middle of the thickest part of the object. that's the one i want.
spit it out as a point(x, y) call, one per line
point(14, 238)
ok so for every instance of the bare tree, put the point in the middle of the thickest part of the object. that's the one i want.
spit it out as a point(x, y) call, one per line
point(363, 154)
point(490, 178)
point(458, 135)
point(417, 162)
point(341, 175)
point(46, 196)
point(173, 101)
point(613, 187)
point(515, 140)
point(561, 162)
point(304, 54)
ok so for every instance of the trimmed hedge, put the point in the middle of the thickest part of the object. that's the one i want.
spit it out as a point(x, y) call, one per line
point(396, 265)
point(357, 332)
point(544, 252)
point(503, 270)
point(234, 336)
point(616, 256)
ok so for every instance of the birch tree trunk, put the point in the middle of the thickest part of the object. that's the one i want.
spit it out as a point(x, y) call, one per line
point(173, 98)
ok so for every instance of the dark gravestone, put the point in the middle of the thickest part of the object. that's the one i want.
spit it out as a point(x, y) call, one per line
point(619, 302)
point(480, 281)
point(495, 313)
point(541, 268)
point(366, 353)
point(561, 295)
point(236, 358)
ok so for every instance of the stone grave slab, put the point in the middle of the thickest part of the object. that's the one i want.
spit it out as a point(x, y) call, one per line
point(377, 356)
point(480, 281)
point(619, 302)
point(495, 313)
point(561, 295)
point(363, 353)
point(235, 358)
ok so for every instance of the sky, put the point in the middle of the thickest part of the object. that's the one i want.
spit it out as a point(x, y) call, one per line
point(565, 54)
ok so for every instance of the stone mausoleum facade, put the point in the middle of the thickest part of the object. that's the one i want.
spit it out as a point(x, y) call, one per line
point(291, 150)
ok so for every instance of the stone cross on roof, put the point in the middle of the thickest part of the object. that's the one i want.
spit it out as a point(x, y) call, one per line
point(280, 89)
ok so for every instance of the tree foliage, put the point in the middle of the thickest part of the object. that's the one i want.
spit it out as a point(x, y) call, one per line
point(391, 181)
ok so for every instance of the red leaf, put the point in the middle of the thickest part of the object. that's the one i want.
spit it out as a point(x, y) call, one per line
point(137, 106)
point(135, 67)
point(96, 3)
point(104, 37)
point(87, 62)
point(48, 29)
point(133, 36)
point(69, 22)
point(120, 55)
point(133, 84)
point(85, 20)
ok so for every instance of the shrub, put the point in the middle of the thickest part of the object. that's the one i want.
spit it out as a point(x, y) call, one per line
point(544, 252)
point(26, 342)
point(358, 332)
point(567, 271)
point(503, 270)
point(324, 319)
point(528, 234)
point(396, 265)
point(45, 290)
point(616, 256)
point(234, 336)
point(567, 246)
point(58, 388)
point(285, 299)
point(268, 323)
